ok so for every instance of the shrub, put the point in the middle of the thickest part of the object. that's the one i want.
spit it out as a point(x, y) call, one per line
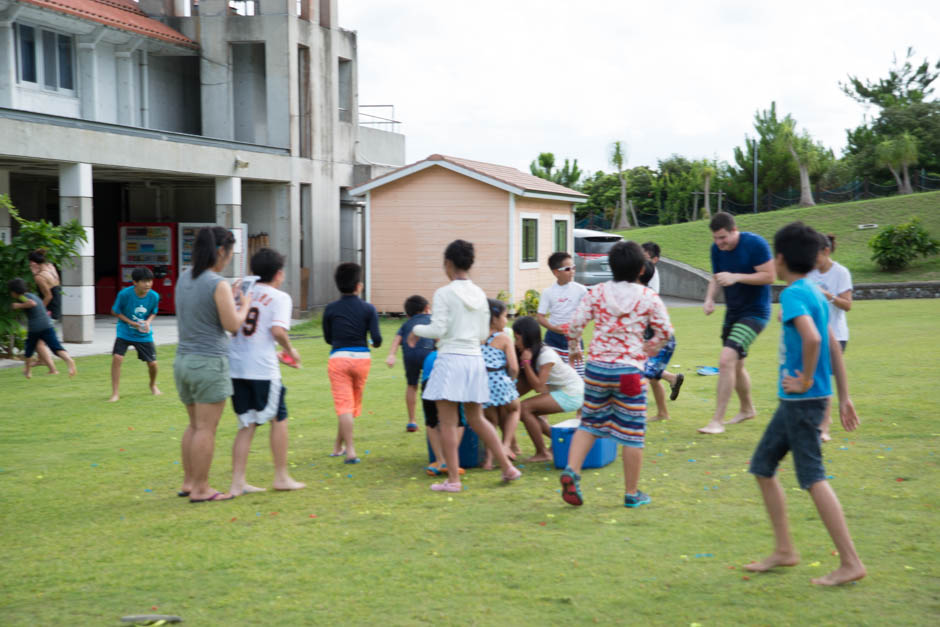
point(897, 246)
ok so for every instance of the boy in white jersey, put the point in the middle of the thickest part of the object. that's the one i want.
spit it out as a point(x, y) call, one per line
point(560, 301)
point(258, 395)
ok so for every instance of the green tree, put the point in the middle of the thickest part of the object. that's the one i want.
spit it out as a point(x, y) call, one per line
point(809, 157)
point(603, 190)
point(776, 168)
point(568, 175)
point(898, 154)
point(905, 84)
point(618, 159)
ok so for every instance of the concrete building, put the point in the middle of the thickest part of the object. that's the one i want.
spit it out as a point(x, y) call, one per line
point(216, 111)
point(515, 221)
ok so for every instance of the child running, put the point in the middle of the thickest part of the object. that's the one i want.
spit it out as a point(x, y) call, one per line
point(135, 307)
point(345, 324)
point(835, 282)
point(502, 368)
point(559, 302)
point(418, 312)
point(655, 368)
point(809, 356)
point(38, 327)
point(460, 322)
point(257, 391)
point(614, 395)
point(557, 385)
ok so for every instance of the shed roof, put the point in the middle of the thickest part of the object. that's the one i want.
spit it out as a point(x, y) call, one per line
point(505, 177)
point(120, 14)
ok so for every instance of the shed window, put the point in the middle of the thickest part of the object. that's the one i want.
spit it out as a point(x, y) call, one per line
point(530, 240)
point(45, 57)
point(561, 236)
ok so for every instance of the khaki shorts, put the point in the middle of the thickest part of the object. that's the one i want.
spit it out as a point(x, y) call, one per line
point(202, 379)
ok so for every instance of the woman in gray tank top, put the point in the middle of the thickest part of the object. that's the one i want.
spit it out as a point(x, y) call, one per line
point(205, 310)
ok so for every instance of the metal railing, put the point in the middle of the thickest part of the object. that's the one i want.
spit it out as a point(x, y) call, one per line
point(382, 122)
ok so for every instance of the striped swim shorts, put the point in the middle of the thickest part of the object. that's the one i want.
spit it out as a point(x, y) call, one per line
point(614, 403)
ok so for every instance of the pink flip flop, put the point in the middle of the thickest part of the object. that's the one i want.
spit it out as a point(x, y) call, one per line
point(446, 486)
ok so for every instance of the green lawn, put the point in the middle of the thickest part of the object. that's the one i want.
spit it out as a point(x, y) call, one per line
point(689, 242)
point(93, 530)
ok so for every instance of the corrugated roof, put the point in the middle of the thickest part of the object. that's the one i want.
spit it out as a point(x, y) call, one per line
point(121, 14)
point(501, 173)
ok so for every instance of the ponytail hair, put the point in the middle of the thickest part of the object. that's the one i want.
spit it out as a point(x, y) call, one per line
point(205, 248)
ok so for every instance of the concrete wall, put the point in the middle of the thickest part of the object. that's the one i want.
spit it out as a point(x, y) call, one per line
point(381, 147)
point(174, 94)
point(684, 281)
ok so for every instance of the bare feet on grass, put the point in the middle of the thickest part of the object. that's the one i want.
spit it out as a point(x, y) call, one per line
point(658, 418)
point(155, 390)
point(541, 457)
point(114, 398)
point(741, 416)
point(841, 575)
point(72, 369)
point(289, 484)
point(773, 561)
point(712, 428)
point(824, 436)
point(245, 489)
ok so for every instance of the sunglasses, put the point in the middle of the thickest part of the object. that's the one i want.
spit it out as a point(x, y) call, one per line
point(566, 268)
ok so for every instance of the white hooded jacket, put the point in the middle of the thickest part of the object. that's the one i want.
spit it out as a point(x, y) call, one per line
point(460, 319)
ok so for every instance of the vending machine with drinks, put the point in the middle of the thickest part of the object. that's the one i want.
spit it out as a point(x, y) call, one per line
point(150, 244)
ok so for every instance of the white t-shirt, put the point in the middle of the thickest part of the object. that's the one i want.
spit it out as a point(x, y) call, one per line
point(561, 377)
point(561, 301)
point(654, 282)
point(837, 280)
point(252, 352)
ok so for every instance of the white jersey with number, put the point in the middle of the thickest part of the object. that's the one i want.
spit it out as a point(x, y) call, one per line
point(252, 352)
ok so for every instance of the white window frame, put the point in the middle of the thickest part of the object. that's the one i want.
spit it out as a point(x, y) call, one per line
point(39, 54)
point(568, 233)
point(528, 265)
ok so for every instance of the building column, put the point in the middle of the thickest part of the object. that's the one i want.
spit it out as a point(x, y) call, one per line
point(228, 213)
point(285, 238)
point(78, 281)
point(5, 231)
point(7, 60)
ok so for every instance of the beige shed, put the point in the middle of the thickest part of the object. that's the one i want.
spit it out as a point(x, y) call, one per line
point(515, 221)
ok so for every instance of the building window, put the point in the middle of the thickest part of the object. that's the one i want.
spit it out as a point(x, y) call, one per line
point(530, 240)
point(345, 90)
point(45, 57)
point(561, 236)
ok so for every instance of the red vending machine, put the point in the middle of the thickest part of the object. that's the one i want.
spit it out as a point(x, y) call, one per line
point(150, 244)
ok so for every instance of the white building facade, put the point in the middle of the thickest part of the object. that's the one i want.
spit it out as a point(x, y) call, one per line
point(217, 111)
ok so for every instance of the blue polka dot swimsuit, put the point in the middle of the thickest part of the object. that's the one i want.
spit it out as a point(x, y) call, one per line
point(502, 389)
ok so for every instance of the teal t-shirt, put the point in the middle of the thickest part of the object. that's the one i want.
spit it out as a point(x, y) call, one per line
point(802, 298)
point(137, 309)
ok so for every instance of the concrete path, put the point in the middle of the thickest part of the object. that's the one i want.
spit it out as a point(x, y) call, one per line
point(164, 332)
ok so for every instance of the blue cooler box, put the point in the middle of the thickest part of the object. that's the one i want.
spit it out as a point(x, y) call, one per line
point(602, 453)
point(471, 450)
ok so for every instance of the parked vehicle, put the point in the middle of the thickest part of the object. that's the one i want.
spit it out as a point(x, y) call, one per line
point(590, 255)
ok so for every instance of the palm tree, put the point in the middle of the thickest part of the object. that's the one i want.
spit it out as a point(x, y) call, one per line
point(897, 154)
point(708, 171)
point(618, 159)
point(806, 156)
point(543, 165)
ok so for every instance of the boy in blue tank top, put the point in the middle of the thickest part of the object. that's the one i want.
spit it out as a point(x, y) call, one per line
point(809, 356)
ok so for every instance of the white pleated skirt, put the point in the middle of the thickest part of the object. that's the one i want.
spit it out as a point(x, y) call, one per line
point(458, 378)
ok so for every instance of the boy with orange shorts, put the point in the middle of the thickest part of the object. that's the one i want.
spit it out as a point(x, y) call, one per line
point(345, 324)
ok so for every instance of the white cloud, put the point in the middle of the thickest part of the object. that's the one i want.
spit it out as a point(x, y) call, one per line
point(501, 81)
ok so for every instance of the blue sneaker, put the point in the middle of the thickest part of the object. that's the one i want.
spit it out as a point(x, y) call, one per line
point(570, 487)
point(635, 500)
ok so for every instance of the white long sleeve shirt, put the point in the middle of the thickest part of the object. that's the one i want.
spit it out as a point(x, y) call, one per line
point(460, 319)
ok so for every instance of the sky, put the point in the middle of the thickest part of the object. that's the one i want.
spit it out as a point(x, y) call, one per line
point(503, 80)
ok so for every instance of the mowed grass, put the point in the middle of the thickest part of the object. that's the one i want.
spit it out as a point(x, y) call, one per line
point(689, 242)
point(93, 530)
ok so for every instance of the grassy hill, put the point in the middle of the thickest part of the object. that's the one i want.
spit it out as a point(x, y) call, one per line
point(689, 242)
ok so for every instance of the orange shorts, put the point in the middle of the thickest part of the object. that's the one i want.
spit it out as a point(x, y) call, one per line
point(347, 381)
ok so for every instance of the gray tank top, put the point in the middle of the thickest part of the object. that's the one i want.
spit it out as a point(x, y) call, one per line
point(197, 317)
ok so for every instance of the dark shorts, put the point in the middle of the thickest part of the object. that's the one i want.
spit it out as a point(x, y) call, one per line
point(254, 403)
point(795, 429)
point(48, 336)
point(413, 365)
point(740, 333)
point(146, 351)
point(656, 364)
point(843, 344)
point(430, 410)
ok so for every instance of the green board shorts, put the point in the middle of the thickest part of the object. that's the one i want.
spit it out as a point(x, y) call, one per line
point(202, 378)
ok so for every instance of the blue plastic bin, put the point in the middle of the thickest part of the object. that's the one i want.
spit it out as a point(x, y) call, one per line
point(471, 450)
point(602, 453)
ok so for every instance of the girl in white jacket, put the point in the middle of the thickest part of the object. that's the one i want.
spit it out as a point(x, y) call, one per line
point(460, 322)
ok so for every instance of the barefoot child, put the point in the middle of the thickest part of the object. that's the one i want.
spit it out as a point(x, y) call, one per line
point(655, 368)
point(38, 327)
point(345, 324)
point(559, 302)
point(257, 391)
point(502, 368)
point(135, 308)
point(809, 355)
point(460, 322)
point(558, 386)
point(418, 312)
point(614, 394)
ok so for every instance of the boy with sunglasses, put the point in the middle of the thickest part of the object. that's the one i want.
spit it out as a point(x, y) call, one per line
point(559, 302)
